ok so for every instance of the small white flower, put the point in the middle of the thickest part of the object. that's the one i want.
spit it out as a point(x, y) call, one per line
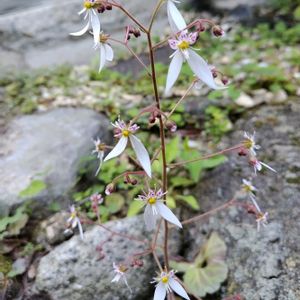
point(125, 133)
point(262, 219)
point(155, 208)
point(176, 20)
point(99, 150)
point(120, 271)
point(105, 50)
point(183, 52)
point(249, 143)
point(74, 221)
point(93, 20)
point(250, 189)
point(167, 283)
point(257, 165)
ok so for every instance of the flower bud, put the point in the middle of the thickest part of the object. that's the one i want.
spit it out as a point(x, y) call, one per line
point(171, 126)
point(243, 152)
point(108, 7)
point(200, 27)
point(137, 33)
point(109, 189)
point(217, 31)
point(225, 80)
point(134, 181)
point(152, 118)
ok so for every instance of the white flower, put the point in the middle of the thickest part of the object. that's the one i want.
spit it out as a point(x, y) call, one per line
point(99, 150)
point(155, 208)
point(125, 133)
point(74, 221)
point(166, 283)
point(105, 50)
point(249, 143)
point(93, 20)
point(250, 189)
point(176, 20)
point(257, 165)
point(183, 53)
point(120, 271)
point(262, 219)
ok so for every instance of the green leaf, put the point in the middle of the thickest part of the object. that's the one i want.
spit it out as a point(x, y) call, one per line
point(134, 208)
point(172, 149)
point(213, 162)
point(114, 203)
point(206, 273)
point(35, 187)
point(190, 200)
point(180, 182)
point(171, 203)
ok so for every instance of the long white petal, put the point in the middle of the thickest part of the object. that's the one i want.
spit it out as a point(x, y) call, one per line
point(176, 20)
point(80, 230)
point(174, 70)
point(178, 289)
point(95, 26)
point(160, 292)
point(141, 154)
point(116, 278)
point(149, 217)
point(268, 167)
point(202, 70)
point(82, 11)
point(118, 149)
point(167, 214)
point(109, 52)
point(82, 31)
point(102, 57)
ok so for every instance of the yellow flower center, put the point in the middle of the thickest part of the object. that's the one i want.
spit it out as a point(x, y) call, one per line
point(125, 133)
point(103, 38)
point(73, 215)
point(152, 200)
point(165, 279)
point(183, 45)
point(248, 144)
point(247, 188)
point(122, 268)
point(87, 5)
point(101, 147)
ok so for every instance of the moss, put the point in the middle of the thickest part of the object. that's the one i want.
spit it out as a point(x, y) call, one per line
point(5, 264)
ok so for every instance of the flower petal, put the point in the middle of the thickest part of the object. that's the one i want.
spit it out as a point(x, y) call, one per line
point(80, 229)
point(149, 218)
point(174, 70)
point(141, 154)
point(202, 70)
point(109, 52)
point(160, 292)
point(102, 57)
point(116, 278)
point(268, 167)
point(82, 31)
point(178, 288)
point(118, 149)
point(176, 20)
point(95, 22)
point(167, 214)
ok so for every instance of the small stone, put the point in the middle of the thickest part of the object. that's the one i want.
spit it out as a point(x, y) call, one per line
point(280, 97)
point(245, 101)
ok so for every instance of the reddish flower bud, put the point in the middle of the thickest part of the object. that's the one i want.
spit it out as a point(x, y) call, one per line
point(108, 7)
point(171, 126)
point(217, 31)
point(243, 152)
point(200, 27)
point(134, 181)
point(109, 189)
point(225, 80)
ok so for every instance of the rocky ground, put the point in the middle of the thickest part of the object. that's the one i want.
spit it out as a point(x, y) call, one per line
point(49, 119)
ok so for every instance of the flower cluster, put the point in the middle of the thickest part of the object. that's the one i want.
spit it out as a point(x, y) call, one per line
point(91, 9)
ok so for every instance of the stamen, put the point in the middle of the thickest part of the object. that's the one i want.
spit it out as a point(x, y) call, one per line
point(152, 200)
point(88, 4)
point(165, 279)
point(183, 45)
point(126, 133)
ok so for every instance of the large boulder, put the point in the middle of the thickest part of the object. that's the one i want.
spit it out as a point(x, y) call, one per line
point(46, 147)
point(76, 270)
point(263, 265)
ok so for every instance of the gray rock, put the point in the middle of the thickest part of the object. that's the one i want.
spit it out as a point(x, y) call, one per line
point(75, 271)
point(263, 265)
point(47, 147)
